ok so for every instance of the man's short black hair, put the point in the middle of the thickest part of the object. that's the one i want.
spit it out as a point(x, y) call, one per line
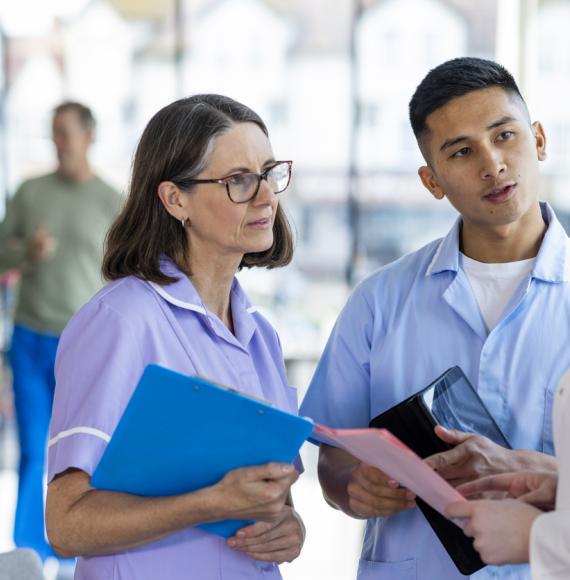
point(84, 113)
point(455, 78)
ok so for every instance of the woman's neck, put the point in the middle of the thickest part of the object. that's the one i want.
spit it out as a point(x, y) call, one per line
point(213, 281)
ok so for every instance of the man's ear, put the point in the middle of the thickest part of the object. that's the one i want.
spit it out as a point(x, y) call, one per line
point(540, 140)
point(90, 136)
point(171, 198)
point(430, 182)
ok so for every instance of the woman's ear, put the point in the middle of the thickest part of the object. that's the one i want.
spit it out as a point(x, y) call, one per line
point(430, 182)
point(171, 198)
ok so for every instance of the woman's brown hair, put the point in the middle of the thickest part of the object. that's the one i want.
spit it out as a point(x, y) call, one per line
point(175, 146)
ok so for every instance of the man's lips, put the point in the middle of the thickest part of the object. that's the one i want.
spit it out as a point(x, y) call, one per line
point(500, 194)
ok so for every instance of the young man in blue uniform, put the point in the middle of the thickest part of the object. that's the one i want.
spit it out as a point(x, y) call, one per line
point(491, 297)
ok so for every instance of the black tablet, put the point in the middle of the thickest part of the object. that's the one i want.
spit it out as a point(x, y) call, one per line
point(450, 401)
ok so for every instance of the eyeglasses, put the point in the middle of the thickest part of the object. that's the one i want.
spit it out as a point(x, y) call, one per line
point(243, 187)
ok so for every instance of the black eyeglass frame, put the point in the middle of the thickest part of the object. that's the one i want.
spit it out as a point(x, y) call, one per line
point(260, 176)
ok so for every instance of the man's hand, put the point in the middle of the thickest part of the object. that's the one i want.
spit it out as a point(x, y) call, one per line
point(501, 528)
point(532, 487)
point(472, 457)
point(278, 541)
point(371, 493)
point(42, 245)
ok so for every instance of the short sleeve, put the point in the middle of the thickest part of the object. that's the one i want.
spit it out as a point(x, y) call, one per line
point(98, 364)
point(339, 393)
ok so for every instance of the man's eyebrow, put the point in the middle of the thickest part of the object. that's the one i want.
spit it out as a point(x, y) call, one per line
point(455, 140)
point(502, 121)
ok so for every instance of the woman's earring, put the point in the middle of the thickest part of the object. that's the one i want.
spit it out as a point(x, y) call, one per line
point(183, 222)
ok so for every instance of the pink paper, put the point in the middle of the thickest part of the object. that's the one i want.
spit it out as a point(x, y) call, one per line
point(381, 449)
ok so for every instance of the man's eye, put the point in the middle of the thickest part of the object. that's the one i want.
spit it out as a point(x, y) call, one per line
point(505, 135)
point(462, 152)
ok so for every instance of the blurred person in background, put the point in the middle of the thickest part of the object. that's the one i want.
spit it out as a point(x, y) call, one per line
point(492, 297)
point(203, 203)
point(53, 235)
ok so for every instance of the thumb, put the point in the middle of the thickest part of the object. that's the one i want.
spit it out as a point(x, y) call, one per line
point(538, 498)
point(272, 471)
point(451, 436)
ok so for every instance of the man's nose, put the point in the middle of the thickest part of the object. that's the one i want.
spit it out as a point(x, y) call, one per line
point(493, 163)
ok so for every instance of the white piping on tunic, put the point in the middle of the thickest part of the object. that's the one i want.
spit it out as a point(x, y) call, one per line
point(187, 305)
point(79, 430)
point(175, 301)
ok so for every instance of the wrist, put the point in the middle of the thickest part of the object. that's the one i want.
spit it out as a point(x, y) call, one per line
point(342, 496)
point(209, 503)
point(526, 460)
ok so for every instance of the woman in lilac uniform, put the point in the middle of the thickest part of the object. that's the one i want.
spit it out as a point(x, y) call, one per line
point(202, 205)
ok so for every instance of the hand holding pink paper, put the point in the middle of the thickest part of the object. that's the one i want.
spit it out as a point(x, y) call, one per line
point(379, 448)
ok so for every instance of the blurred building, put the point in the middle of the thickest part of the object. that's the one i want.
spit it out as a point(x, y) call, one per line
point(340, 114)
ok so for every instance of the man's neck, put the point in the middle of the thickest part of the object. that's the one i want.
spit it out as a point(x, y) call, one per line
point(505, 243)
point(78, 173)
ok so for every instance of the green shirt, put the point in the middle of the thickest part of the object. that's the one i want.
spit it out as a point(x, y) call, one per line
point(77, 215)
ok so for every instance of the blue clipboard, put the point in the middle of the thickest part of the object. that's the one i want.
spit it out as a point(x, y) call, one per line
point(181, 433)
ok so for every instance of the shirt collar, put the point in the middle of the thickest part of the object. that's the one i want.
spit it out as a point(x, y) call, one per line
point(446, 255)
point(552, 262)
point(553, 259)
point(183, 295)
point(180, 293)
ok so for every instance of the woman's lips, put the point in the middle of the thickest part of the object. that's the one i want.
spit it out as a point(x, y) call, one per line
point(260, 224)
point(501, 195)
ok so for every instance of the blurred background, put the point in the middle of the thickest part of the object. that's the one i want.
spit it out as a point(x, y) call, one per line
point(332, 79)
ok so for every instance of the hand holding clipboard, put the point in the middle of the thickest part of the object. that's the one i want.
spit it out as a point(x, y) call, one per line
point(199, 432)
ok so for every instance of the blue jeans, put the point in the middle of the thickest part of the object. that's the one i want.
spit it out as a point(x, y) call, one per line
point(32, 357)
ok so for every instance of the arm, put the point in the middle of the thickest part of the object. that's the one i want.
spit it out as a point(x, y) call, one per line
point(94, 385)
point(475, 456)
point(357, 489)
point(82, 521)
point(18, 250)
point(13, 246)
point(339, 396)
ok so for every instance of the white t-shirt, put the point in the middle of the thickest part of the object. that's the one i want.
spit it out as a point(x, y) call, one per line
point(495, 284)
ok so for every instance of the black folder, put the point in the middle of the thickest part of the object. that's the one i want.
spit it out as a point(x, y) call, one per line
point(452, 402)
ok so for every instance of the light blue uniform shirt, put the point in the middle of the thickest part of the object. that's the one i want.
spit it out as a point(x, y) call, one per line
point(407, 324)
point(102, 354)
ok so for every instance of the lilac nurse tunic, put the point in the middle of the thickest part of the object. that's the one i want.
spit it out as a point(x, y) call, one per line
point(102, 353)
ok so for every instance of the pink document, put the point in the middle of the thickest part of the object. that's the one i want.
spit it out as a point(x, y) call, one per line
point(381, 449)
